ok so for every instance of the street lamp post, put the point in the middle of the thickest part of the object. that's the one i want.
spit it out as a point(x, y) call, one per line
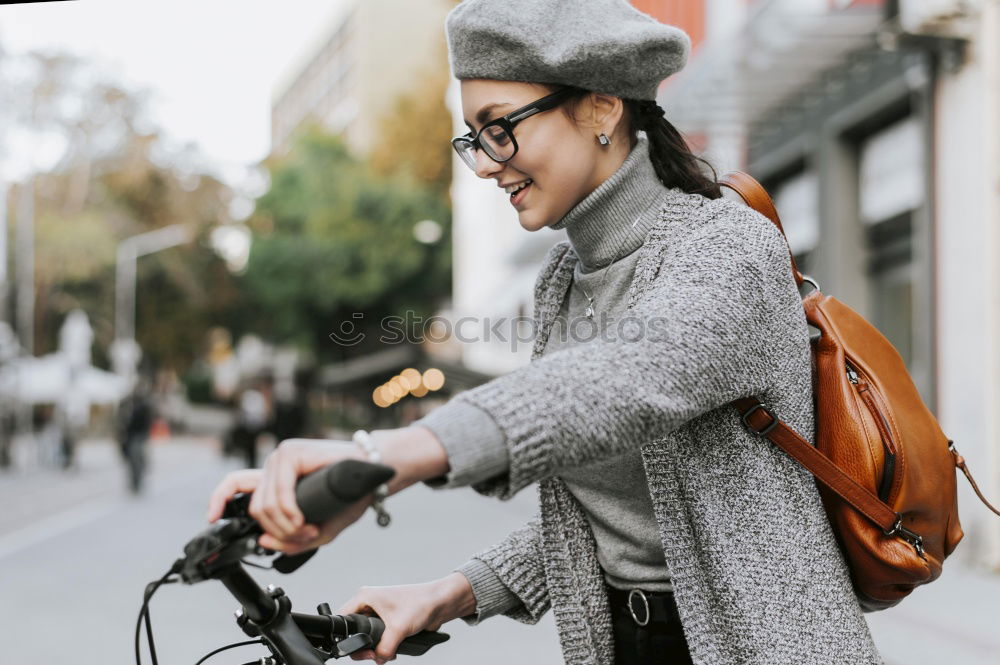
point(125, 351)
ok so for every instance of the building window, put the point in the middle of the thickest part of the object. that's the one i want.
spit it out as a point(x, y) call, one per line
point(891, 188)
point(797, 200)
point(890, 270)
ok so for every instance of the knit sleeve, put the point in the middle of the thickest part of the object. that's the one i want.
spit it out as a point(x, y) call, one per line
point(471, 440)
point(705, 333)
point(508, 578)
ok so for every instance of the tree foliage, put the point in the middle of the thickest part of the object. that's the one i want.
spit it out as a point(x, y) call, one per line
point(114, 177)
point(332, 239)
point(416, 135)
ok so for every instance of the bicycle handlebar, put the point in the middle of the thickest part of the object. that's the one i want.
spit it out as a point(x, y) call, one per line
point(293, 638)
point(327, 492)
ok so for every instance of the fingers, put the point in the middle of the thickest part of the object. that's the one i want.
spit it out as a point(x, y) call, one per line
point(368, 600)
point(275, 516)
point(386, 648)
point(236, 481)
point(368, 654)
point(310, 540)
point(285, 478)
point(355, 604)
point(274, 505)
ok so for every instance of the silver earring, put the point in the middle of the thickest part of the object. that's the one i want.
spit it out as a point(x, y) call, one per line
point(603, 139)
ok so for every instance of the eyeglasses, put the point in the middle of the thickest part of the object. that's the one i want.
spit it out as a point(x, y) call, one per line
point(496, 137)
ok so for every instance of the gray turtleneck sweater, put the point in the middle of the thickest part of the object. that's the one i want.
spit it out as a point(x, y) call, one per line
point(605, 229)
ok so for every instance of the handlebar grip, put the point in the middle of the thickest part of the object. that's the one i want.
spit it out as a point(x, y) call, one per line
point(414, 645)
point(365, 623)
point(326, 492)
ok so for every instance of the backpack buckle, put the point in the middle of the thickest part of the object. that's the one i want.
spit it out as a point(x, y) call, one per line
point(770, 426)
point(911, 537)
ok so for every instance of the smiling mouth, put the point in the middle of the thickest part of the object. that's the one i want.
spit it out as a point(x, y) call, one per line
point(519, 192)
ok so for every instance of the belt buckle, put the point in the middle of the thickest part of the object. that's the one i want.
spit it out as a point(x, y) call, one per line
point(631, 594)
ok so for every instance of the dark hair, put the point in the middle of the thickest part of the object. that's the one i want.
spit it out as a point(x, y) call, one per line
point(675, 164)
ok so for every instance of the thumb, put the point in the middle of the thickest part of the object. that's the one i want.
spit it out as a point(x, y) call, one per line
point(389, 642)
point(355, 606)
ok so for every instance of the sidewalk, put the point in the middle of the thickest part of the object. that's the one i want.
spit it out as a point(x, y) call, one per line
point(954, 621)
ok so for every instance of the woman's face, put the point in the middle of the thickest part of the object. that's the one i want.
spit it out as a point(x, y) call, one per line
point(560, 155)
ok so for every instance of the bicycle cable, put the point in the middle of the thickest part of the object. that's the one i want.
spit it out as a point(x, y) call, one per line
point(231, 646)
point(255, 565)
point(144, 613)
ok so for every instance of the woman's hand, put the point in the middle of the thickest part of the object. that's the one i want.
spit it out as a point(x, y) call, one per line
point(409, 609)
point(273, 502)
point(413, 452)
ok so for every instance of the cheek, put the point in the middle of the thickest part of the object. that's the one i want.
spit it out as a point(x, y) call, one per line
point(561, 168)
point(565, 177)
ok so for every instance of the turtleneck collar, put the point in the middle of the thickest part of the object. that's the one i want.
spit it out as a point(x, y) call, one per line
point(600, 227)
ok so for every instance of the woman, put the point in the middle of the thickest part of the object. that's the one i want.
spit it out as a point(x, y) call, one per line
point(667, 531)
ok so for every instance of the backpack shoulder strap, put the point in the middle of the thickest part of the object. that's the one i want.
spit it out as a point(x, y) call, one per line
point(762, 422)
point(755, 196)
point(756, 417)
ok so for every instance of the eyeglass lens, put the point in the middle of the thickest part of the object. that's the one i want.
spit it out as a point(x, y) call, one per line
point(495, 141)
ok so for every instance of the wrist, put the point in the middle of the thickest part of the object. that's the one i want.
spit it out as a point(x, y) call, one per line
point(414, 452)
point(455, 598)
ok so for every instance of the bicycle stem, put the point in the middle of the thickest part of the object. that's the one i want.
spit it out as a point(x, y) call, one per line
point(271, 616)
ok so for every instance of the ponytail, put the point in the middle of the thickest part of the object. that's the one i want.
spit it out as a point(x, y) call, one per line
point(675, 164)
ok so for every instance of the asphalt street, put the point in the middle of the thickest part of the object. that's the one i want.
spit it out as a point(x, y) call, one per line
point(76, 551)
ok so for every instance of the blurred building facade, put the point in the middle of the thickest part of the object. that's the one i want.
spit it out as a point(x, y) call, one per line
point(350, 79)
point(873, 124)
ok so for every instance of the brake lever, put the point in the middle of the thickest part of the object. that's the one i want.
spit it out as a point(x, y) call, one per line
point(238, 507)
point(289, 563)
point(352, 643)
point(223, 543)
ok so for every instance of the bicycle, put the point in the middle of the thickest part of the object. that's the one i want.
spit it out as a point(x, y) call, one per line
point(293, 638)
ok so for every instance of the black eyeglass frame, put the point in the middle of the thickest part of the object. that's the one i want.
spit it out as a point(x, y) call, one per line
point(507, 123)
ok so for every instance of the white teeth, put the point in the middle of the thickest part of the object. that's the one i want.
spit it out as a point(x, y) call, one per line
point(518, 187)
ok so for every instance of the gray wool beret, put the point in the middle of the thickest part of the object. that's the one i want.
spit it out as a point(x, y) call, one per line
point(605, 46)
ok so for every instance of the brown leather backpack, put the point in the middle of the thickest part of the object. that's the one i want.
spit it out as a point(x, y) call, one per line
point(885, 469)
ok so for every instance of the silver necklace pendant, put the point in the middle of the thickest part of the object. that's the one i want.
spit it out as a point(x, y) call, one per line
point(589, 312)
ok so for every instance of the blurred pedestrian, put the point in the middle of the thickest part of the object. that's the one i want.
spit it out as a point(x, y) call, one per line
point(135, 417)
point(72, 416)
point(667, 531)
point(253, 414)
point(7, 429)
point(290, 413)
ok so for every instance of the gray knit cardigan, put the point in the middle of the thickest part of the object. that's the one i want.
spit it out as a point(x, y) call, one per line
point(757, 574)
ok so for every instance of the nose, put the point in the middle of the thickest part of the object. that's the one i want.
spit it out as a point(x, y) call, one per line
point(485, 166)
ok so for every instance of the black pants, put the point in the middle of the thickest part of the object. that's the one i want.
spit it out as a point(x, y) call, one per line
point(660, 642)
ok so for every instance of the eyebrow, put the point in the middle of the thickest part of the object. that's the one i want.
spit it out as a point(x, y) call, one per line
point(485, 113)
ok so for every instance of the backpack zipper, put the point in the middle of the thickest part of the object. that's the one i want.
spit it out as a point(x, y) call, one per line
point(863, 388)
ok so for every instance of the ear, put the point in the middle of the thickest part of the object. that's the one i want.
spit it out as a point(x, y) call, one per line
point(603, 113)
